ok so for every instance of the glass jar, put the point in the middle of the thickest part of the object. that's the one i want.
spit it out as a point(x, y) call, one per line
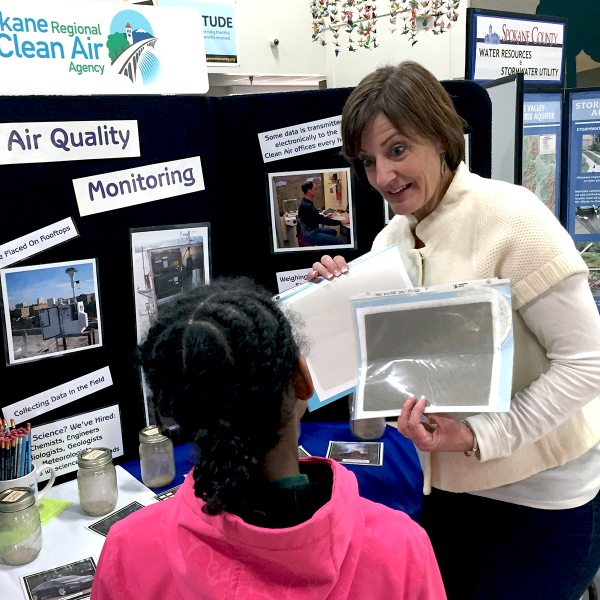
point(20, 526)
point(364, 429)
point(156, 458)
point(96, 481)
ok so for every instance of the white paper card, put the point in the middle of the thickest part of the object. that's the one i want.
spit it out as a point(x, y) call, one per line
point(548, 144)
point(118, 189)
point(300, 139)
point(25, 410)
point(326, 312)
point(69, 140)
point(37, 241)
point(59, 442)
point(289, 279)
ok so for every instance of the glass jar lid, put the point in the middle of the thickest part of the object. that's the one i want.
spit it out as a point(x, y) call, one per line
point(152, 435)
point(91, 458)
point(15, 499)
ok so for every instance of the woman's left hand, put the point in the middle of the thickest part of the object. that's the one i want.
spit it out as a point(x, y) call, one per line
point(445, 434)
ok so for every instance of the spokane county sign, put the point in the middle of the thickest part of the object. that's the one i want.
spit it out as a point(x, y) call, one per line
point(502, 46)
point(71, 48)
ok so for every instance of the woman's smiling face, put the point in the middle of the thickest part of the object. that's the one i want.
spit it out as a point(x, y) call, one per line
point(407, 173)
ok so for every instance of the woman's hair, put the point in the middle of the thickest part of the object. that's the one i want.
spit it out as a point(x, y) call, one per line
point(416, 104)
point(219, 362)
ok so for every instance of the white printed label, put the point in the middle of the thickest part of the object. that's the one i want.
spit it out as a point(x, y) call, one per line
point(300, 139)
point(547, 144)
point(70, 140)
point(37, 241)
point(14, 496)
point(44, 402)
point(58, 443)
point(289, 279)
point(118, 189)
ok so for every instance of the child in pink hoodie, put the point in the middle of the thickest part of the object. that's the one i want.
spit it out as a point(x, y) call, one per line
point(251, 521)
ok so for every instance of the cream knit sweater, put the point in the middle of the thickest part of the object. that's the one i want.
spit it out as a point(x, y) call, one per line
point(484, 228)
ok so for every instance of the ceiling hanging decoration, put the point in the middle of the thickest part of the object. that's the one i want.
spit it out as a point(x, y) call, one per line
point(358, 20)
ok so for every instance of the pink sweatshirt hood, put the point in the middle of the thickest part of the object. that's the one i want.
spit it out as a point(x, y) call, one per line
point(351, 548)
point(320, 553)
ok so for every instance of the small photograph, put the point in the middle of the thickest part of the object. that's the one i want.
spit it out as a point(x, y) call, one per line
point(357, 453)
point(587, 219)
point(590, 153)
point(50, 310)
point(71, 581)
point(311, 210)
point(302, 453)
point(103, 525)
point(167, 262)
point(167, 494)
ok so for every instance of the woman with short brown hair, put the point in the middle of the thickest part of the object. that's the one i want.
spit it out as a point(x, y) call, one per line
point(514, 511)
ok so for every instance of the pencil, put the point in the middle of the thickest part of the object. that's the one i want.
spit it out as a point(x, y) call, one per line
point(19, 455)
point(13, 448)
point(28, 448)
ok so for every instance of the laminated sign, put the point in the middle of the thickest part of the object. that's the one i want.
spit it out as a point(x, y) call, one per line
point(502, 44)
point(99, 48)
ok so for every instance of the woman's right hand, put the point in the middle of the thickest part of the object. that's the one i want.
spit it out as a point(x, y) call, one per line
point(328, 268)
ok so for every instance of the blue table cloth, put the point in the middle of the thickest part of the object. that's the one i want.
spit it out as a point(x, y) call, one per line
point(397, 484)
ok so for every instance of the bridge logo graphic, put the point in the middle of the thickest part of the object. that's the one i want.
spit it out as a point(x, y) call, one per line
point(131, 47)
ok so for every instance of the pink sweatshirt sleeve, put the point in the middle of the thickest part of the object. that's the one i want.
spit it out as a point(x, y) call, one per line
point(432, 587)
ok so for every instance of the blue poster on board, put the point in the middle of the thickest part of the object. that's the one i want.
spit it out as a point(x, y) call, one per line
point(583, 185)
point(541, 147)
point(583, 193)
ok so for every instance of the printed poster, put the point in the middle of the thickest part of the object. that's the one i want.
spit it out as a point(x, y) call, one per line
point(583, 185)
point(541, 147)
point(81, 48)
point(502, 44)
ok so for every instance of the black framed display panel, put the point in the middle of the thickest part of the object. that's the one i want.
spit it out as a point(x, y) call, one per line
point(543, 116)
point(223, 132)
point(581, 184)
point(503, 143)
point(470, 63)
point(36, 195)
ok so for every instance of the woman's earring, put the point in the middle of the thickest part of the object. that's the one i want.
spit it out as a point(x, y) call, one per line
point(444, 164)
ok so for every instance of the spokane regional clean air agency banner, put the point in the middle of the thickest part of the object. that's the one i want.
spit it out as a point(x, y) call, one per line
point(73, 48)
point(502, 46)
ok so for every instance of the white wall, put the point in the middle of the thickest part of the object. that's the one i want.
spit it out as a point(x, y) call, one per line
point(290, 21)
point(443, 55)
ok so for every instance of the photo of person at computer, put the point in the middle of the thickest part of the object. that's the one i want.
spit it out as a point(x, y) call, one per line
point(311, 210)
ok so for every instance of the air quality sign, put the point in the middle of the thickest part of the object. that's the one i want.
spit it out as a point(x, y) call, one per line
point(71, 48)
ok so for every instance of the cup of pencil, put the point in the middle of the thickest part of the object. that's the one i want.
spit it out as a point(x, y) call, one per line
point(16, 467)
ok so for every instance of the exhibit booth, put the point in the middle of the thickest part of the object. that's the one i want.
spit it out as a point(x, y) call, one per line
point(117, 204)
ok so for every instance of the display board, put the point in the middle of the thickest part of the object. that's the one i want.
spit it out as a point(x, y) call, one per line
point(218, 224)
point(503, 43)
point(506, 95)
point(583, 175)
point(94, 370)
point(541, 158)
